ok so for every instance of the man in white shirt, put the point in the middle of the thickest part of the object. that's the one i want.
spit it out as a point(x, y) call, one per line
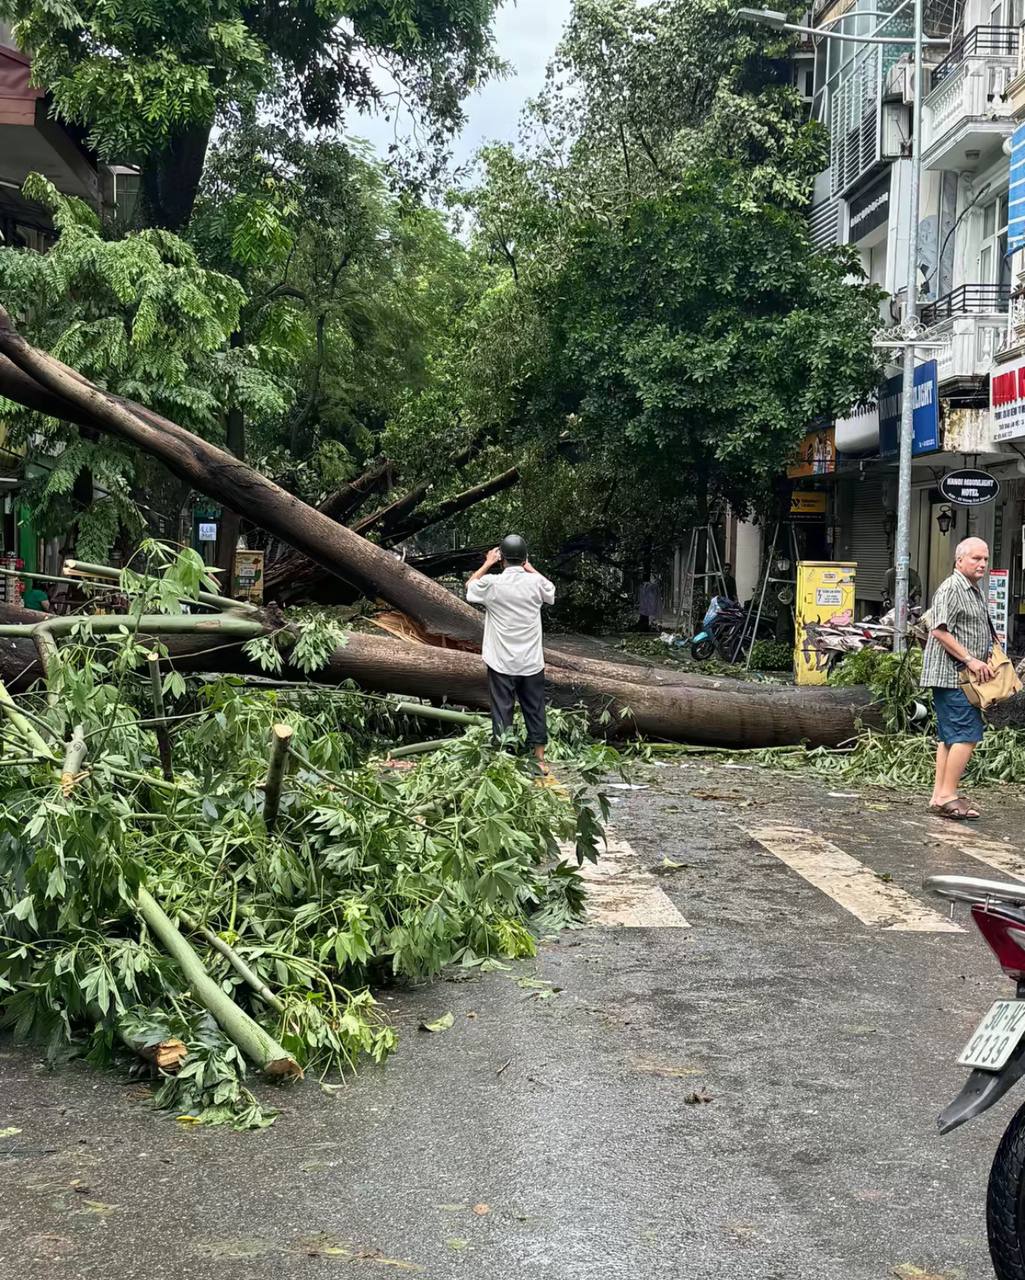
point(512, 649)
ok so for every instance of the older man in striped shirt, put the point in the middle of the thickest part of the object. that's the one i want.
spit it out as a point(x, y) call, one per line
point(960, 636)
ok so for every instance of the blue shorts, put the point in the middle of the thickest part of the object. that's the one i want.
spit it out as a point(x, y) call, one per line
point(956, 719)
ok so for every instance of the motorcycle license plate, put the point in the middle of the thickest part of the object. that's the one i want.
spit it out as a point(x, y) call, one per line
point(996, 1036)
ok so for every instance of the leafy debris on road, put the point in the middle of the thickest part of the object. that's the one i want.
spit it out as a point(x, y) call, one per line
point(198, 906)
point(439, 1024)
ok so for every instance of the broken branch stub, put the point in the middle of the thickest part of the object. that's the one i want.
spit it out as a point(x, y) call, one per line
point(280, 741)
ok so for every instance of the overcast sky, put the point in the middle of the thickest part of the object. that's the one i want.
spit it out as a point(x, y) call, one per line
point(525, 36)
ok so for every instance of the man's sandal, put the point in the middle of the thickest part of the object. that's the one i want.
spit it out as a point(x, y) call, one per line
point(957, 810)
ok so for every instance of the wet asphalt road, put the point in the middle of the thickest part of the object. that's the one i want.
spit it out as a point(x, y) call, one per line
point(570, 1138)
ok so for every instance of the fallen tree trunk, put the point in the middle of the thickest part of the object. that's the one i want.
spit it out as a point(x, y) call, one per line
point(220, 475)
point(692, 708)
point(713, 712)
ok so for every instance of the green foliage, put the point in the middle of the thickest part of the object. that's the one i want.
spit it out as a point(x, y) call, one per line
point(892, 679)
point(904, 761)
point(144, 319)
point(695, 339)
point(370, 875)
point(651, 292)
point(139, 76)
point(770, 655)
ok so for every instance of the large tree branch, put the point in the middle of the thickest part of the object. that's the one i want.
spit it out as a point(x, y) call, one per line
point(460, 502)
point(620, 699)
point(227, 479)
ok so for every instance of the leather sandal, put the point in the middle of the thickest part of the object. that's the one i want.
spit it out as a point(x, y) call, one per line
point(957, 810)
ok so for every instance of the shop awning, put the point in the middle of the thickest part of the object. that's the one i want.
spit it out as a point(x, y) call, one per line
point(18, 97)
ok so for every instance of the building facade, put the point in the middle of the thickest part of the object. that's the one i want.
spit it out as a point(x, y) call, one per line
point(966, 281)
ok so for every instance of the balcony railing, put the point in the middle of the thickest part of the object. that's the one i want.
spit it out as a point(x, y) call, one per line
point(968, 300)
point(979, 42)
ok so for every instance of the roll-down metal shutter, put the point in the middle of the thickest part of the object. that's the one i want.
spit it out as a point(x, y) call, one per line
point(869, 544)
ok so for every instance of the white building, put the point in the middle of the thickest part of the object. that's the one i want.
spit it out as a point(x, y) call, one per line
point(864, 94)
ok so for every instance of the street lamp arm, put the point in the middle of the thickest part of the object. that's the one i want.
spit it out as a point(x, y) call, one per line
point(770, 18)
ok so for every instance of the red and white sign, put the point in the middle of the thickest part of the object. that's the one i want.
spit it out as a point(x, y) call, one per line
point(1007, 401)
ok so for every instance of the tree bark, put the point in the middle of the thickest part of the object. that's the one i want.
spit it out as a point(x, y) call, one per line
point(621, 700)
point(292, 574)
point(350, 497)
point(215, 472)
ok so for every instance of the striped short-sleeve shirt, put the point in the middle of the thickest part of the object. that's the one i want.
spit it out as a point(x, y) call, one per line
point(957, 605)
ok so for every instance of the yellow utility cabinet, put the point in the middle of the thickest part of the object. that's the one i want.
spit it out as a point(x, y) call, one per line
point(825, 594)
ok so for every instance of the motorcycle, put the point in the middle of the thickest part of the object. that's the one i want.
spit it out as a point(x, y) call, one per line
point(831, 641)
point(995, 1055)
point(723, 626)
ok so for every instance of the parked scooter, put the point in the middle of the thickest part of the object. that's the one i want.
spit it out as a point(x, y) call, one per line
point(722, 628)
point(831, 641)
point(996, 1056)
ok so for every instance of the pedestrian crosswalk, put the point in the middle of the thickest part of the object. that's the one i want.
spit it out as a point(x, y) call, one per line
point(621, 892)
point(852, 885)
point(998, 854)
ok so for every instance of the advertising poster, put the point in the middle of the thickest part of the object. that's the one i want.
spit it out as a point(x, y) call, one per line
point(825, 597)
point(248, 577)
point(999, 588)
point(816, 456)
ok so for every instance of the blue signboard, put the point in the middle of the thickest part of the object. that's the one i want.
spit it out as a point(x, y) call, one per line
point(1016, 192)
point(926, 411)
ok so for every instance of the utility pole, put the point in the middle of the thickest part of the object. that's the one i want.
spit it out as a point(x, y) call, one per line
point(902, 559)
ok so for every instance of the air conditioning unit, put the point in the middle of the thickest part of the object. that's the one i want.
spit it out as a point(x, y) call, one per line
point(896, 130)
point(899, 84)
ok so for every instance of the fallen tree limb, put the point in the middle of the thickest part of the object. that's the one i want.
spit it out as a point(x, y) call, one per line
point(341, 504)
point(455, 505)
point(241, 968)
point(717, 712)
point(258, 1045)
point(80, 569)
point(220, 475)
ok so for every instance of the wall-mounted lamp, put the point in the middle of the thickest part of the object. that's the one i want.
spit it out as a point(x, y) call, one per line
point(945, 520)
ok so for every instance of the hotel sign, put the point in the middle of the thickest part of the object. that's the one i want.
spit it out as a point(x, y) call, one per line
point(925, 412)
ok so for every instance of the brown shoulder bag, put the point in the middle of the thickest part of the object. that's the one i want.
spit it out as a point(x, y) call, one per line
point(1005, 683)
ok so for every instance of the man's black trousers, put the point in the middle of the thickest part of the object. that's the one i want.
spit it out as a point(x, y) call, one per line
point(505, 691)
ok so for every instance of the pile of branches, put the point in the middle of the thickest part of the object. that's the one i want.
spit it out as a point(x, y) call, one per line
point(214, 877)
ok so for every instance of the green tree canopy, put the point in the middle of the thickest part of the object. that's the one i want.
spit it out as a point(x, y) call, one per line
point(148, 80)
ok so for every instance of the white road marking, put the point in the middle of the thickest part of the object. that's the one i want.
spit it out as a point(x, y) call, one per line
point(621, 892)
point(849, 882)
point(993, 853)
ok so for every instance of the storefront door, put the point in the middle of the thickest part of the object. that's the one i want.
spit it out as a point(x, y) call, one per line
point(941, 547)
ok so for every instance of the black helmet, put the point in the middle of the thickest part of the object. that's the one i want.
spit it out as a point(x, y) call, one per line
point(513, 549)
